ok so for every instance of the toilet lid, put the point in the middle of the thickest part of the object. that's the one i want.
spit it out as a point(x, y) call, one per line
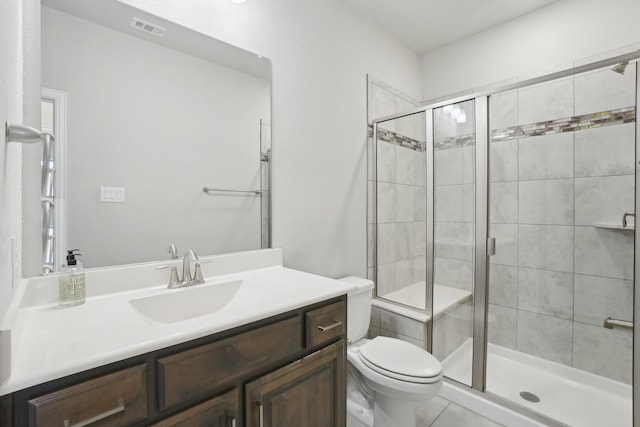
point(400, 359)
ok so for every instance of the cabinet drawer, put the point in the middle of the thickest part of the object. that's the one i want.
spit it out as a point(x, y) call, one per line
point(326, 323)
point(117, 399)
point(221, 411)
point(193, 373)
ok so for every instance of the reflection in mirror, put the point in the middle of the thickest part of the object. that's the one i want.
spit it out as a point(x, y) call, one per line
point(150, 122)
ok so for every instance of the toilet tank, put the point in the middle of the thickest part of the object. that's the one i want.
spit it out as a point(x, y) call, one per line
point(358, 307)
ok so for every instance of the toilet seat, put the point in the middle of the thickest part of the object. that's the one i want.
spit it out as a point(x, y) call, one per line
point(400, 360)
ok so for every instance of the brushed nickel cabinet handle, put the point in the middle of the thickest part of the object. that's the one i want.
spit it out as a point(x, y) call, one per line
point(331, 326)
point(98, 417)
point(261, 409)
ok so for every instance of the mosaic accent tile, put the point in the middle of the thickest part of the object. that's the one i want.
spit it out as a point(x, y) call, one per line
point(455, 142)
point(396, 139)
point(569, 124)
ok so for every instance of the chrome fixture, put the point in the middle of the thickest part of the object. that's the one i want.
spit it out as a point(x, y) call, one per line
point(609, 323)
point(186, 267)
point(197, 275)
point(24, 134)
point(196, 279)
point(174, 280)
point(173, 251)
point(620, 67)
point(187, 280)
point(624, 217)
point(213, 190)
point(28, 135)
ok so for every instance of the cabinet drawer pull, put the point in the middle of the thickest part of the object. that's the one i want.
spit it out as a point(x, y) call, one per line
point(233, 421)
point(98, 417)
point(331, 326)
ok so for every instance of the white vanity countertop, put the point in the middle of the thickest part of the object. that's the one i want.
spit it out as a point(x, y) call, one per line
point(48, 342)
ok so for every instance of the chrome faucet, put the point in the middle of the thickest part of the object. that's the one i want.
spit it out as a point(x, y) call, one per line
point(187, 279)
point(186, 267)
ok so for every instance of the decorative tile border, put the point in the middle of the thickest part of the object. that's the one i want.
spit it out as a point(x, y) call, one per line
point(396, 139)
point(569, 124)
point(454, 142)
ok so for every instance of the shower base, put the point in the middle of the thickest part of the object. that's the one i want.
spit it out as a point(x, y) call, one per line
point(566, 394)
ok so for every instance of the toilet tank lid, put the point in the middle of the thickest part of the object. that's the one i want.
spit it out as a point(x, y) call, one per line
point(361, 284)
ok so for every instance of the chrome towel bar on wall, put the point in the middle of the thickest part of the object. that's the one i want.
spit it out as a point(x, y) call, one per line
point(28, 135)
point(208, 190)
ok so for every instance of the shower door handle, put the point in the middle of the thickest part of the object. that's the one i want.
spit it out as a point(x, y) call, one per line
point(609, 323)
point(491, 246)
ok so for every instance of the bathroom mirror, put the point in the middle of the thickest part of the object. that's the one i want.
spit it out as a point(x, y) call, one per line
point(149, 114)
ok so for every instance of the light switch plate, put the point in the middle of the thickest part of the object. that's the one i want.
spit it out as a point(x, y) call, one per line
point(112, 194)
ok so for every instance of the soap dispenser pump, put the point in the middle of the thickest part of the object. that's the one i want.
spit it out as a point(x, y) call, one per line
point(72, 281)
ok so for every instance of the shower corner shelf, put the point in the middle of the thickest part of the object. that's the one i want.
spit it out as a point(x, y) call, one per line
point(629, 227)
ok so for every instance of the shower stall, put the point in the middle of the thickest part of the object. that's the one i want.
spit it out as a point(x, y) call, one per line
point(502, 238)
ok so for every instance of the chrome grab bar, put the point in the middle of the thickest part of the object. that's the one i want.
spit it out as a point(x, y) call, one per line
point(609, 323)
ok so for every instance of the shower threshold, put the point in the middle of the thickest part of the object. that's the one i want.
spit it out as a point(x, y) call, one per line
point(566, 394)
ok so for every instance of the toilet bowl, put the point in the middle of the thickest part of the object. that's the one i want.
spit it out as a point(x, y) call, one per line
point(388, 378)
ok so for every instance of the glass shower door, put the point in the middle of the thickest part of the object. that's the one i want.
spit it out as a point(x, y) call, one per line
point(562, 194)
point(454, 154)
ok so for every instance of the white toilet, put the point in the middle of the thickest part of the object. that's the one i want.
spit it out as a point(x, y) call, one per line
point(387, 378)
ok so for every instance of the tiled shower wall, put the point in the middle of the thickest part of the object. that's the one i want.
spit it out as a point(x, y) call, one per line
point(557, 274)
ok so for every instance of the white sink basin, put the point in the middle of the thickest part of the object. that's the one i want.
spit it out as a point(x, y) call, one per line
point(190, 302)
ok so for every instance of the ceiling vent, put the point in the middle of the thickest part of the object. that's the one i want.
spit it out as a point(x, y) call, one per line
point(148, 27)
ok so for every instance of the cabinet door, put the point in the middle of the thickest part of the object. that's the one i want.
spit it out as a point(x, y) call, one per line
point(221, 411)
point(310, 392)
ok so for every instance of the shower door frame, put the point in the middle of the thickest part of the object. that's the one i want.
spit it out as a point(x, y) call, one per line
point(482, 197)
point(636, 270)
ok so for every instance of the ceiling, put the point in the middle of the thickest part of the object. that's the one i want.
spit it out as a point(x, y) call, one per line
point(425, 25)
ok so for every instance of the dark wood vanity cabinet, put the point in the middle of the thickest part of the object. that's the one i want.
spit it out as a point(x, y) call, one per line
point(219, 411)
point(305, 393)
point(287, 370)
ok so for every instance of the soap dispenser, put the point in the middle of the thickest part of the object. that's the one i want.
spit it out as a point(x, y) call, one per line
point(72, 281)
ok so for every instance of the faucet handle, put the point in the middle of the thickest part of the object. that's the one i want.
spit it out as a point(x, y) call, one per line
point(197, 277)
point(174, 281)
